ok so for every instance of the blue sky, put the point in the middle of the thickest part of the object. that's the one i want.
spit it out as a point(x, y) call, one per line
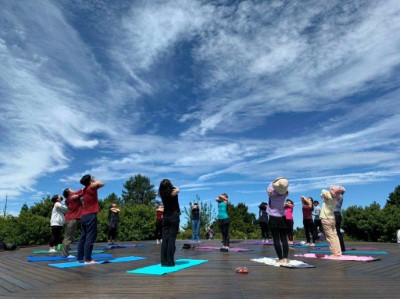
point(218, 96)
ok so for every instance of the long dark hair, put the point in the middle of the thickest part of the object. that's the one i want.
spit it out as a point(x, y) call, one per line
point(165, 188)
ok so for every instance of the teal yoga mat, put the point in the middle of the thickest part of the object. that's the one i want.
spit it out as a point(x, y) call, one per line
point(116, 260)
point(71, 251)
point(159, 270)
point(351, 252)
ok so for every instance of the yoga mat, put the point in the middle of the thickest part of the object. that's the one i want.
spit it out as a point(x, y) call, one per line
point(234, 249)
point(159, 270)
point(351, 252)
point(293, 264)
point(260, 243)
point(59, 252)
point(299, 245)
point(355, 258)
point(61, 258)
point(116, 260)
point(123, 245)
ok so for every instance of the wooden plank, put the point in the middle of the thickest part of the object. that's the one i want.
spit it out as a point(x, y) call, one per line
point(214, 279)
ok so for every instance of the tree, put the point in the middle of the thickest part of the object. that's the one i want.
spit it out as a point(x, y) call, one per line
point(242, 223)
point(43, 208)
point(106, 202)
point(138, 191)
point(394, 197)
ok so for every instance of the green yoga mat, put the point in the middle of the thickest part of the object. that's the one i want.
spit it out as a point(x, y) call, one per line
point(59, 252)
point(159, 270)
point(351, 252)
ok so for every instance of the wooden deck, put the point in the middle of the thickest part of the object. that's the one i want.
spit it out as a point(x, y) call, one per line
point(214, 279)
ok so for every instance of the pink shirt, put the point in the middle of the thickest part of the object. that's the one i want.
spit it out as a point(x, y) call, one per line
point(289, 213)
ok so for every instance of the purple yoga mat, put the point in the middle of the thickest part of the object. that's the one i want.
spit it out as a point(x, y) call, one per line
point(260, 243)
point(235, 249)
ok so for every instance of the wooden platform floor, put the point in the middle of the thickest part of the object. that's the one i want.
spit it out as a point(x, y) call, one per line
point(215, 279)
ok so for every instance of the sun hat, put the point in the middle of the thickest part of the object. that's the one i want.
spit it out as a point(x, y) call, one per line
point(280, 185)
point(337, 190)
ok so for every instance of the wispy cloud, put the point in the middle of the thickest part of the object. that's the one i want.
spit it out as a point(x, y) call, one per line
point(210, 94)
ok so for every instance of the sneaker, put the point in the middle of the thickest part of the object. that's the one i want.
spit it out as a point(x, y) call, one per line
point(312, 244)
point(71, 257)
point(52, 251)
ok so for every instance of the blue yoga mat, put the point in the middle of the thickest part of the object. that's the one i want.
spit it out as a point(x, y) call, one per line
point(351, 252)
point(116, 260)
point(71, 251)
point(159, 270)
point(61, 258)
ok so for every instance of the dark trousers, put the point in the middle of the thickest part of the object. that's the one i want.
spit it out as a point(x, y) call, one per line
point(70, 229)
point(170, 228)
point(56, 235)
point(289, 224)
point(112, 233)
point(338, 220)
point(309, 229)
point(318, 227)
point(279, 235)
point(264, 230)
point(158, 229)
point(88, 237)
point(224, 227)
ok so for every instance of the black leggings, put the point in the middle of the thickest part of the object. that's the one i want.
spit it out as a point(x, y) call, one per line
point(264, 230)
point(279, 235)
point(309, 229)
point(289, 224)
point(56, 236)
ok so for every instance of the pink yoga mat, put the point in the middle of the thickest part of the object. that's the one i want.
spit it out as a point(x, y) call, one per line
point(235, 249)
point(342, 258)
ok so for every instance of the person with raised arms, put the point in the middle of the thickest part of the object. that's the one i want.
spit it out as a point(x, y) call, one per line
point(89, 218)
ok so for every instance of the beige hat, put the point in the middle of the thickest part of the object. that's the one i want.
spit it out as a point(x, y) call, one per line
point(338, 191)
point(280, 185)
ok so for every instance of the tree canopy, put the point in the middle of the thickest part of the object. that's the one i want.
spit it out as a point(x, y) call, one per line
point(138, 190)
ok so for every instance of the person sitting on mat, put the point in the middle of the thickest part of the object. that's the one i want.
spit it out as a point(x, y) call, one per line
point(210, 233)
point(277, 192)
point(223, 219)
point(72, 218)
point(57, 221)
point(328, 218)
point(89, 218)
point(170, 224)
